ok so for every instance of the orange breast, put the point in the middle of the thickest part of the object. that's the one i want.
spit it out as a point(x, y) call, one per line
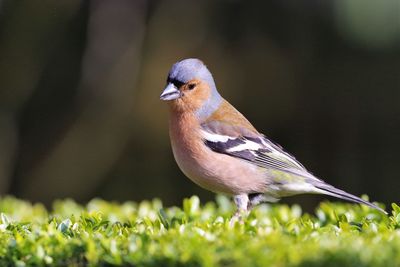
point(213, 171)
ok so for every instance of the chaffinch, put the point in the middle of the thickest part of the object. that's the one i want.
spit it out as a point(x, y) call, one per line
point(220, 150)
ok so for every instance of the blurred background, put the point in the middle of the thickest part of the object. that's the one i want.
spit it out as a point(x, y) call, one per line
point(80, 114)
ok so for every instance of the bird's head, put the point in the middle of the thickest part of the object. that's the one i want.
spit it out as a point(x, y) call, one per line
point(191, 88)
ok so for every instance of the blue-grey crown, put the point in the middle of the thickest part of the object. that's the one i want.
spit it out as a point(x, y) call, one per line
point(189, 69)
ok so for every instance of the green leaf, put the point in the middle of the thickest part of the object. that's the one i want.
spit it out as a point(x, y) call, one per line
point(147, 234)
point(64, 226)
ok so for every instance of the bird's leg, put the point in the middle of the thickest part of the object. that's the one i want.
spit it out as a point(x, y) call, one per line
point(242, 204)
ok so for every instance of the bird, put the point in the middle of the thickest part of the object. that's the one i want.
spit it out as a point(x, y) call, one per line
point(217, 148)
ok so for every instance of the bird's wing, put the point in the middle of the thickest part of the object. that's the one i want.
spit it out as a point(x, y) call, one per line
point(247, 144)
point(253, 147)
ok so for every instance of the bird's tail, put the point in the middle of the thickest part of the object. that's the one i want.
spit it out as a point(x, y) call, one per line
point(332, 191)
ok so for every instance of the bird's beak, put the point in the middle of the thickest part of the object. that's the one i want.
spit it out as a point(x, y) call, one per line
point(170, 93)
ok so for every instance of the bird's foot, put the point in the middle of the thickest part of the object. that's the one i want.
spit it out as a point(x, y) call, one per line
point(238, 217)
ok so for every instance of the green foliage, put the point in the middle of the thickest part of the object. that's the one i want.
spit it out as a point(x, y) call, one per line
point(147, 234)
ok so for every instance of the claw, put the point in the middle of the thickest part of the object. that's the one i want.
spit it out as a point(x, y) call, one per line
point(237, 217)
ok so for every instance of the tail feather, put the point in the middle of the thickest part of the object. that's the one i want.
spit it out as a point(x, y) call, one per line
point(332, 191)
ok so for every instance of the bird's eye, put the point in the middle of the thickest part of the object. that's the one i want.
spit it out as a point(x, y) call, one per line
point(191, 86)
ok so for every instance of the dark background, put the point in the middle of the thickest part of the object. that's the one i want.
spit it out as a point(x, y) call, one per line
point(80, 114)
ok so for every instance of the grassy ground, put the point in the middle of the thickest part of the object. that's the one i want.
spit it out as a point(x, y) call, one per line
point(148, 234)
